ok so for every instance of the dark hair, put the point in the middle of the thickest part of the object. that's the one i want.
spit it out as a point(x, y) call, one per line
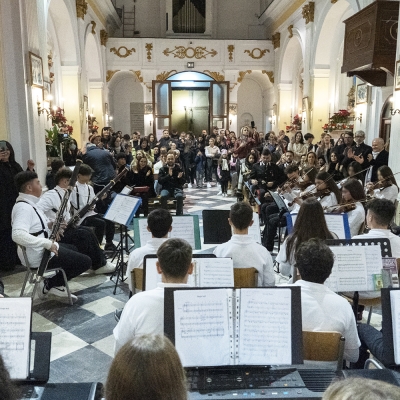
point(113, 140)
point(355, 188)
point(387, 174)
point(11, 158)
point(147, 148)
point(126, 137)
point(7, 389)
point(303, 230)
point(289, 151)
point(301, 135)
point(308, 136)
point(330, 184)
point(146, 367)
point(61, 174)
point(120, 155)
point(311, 173)
point(323, 159)
point(356, 167)
point(291, 168)
point(266, 152)
point(138, 163)
point(314, 260)
point(159, 221)
point(85, 170)
point(382, 210)
point(56, 164)
point(241, 215)
point(175, 256)
point(350, 133)
point(22, 179)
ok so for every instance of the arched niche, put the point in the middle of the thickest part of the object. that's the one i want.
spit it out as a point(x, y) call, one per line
point(93, 63)
point(123, 91)
point(254, 98)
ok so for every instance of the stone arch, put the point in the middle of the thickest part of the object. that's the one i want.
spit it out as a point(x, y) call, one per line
point(93, 62)
point(124, 89)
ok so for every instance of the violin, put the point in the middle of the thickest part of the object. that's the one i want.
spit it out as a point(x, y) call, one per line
point(323, 193)
point(342, 208)
point(304, 185)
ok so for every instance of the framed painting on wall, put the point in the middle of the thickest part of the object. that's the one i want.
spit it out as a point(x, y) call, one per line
point(362, 93)
point(36, 70)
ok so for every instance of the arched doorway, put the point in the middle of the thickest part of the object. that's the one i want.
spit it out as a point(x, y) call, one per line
point(190, 101)
point(386, 120)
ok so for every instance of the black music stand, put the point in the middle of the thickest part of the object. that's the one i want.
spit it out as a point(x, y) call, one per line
point(216, 228)
point(282, 210)
point(386, 251)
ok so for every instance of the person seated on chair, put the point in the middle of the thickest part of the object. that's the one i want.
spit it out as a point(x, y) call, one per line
point(144, 312)
point(159, 224)
point(30, 228)
point(321, 308)
point(80, 236)
point(243, 249)
point(84, 194)
point(265, 175)
point(147, 367)
point(171, 180)
point(303, 230)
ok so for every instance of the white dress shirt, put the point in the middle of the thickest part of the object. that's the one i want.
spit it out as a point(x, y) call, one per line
point(137, 256)
point(356, 218)
point(50, 202)
point(26, 221)
point(81, 195)
point(324, 310)
point(389, 193)
point(143, 314)
point(246, 253)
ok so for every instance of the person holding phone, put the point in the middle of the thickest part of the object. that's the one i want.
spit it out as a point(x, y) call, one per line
point(8, 195)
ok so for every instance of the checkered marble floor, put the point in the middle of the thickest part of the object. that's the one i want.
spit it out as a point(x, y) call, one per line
point(82, 340)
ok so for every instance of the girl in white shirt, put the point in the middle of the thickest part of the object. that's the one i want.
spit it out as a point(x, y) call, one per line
point(310, 223)
point(298, 148)
point(386, 187)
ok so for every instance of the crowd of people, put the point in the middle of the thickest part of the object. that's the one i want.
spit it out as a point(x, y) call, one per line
point(311, 179)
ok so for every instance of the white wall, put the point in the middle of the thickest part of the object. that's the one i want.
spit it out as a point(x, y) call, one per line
point(250, 101)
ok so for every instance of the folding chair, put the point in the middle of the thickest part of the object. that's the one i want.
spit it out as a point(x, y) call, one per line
point(245, 277)
point(137, 279)
point(30, 274)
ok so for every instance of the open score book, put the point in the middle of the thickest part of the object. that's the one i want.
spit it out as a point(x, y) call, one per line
point(219, 327)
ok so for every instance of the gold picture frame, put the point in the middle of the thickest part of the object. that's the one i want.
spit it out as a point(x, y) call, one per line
point(36, 70)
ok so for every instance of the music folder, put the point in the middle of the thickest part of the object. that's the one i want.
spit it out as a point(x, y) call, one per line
point(230, 327)
point(391, 324)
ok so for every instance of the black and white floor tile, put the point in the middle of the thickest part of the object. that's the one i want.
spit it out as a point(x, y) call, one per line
point(82, 339)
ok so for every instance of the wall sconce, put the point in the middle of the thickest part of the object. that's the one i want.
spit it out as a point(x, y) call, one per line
point(190, 64)
point(272, 120)
point(359, 118)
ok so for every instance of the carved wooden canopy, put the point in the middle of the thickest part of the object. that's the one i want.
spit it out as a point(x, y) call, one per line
point(370, 42)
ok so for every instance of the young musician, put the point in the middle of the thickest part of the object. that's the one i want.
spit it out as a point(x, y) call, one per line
point(171, 180)
point(159, 224)
point(82, 237)
point(243, 249)
point(30, 228)
point(144, 312)
point(386, 186)
point(83, 194)
point(321, 308)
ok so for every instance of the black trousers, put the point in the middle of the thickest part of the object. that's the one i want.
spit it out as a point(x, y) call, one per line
point(8, 251)
point(84, 239)
point(100, 225)
point(71, 261)
point(270, 229)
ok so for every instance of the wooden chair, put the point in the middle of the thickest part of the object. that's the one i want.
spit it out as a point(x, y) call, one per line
point(30, 276)
point(324, 346)
point(137, 279)
point(245, 277)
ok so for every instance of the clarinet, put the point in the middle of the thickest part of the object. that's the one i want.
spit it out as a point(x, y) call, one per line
point(74, 220)
point(58, 221)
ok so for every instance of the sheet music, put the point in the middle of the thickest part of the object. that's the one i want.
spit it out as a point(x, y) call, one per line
point(122, 209)
point(202, 333)
point(152, 277)
point(126, 190)
point(373, 258)
point(349, 272)
point(254, 230)
point(335, 222)
point(182, 228)
point(395, 307)
point(215, 272)
point(15, 333)
point(265, 335)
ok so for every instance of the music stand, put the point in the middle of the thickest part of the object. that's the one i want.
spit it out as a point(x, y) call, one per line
point(282, 210)
point(386, 251)
point(216, 228)
point(122, 210)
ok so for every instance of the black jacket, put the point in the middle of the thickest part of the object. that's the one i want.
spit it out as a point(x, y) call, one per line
point(267, 173)
point(381, 159)
point(171, 182)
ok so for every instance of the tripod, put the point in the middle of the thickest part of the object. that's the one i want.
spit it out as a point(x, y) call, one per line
point(122, 248)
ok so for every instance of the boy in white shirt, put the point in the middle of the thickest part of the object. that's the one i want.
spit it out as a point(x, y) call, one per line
point(144, 312)
point(84, 194)
point(159, 224)
point(243, 249)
